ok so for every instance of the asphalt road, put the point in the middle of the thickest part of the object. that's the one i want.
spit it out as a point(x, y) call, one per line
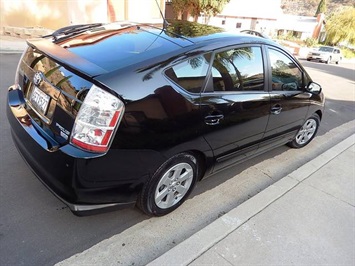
point(37, 229)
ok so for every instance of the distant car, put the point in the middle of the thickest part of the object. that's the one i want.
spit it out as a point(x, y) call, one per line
point(255, 33)
point(115, 115)
point(327, 54)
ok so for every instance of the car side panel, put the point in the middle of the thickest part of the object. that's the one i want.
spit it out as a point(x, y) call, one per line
point(245, 117)
point(294, 107)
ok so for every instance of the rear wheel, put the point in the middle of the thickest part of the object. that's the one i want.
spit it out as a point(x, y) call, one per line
point(170, 185)
point(306, 133)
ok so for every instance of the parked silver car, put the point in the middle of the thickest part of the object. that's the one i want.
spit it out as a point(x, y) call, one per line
point(327, 54)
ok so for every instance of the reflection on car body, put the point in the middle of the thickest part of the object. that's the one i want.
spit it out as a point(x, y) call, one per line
point(134, 114)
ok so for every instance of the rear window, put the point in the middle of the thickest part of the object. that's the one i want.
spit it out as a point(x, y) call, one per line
point(127, 47)
point(56, 74)
point(190, 74)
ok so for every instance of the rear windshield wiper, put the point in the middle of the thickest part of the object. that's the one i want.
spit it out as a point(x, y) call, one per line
point(71, 30)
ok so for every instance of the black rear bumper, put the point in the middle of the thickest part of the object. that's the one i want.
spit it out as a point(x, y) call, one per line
point(63, 174)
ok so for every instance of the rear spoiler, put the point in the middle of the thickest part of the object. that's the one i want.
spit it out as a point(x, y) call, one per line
point(66, 58)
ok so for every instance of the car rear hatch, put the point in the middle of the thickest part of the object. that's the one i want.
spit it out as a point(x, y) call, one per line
point(55, 77)
point(48, 95)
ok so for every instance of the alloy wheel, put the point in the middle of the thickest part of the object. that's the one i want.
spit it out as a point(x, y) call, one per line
point(173, 185)
point(306, 132)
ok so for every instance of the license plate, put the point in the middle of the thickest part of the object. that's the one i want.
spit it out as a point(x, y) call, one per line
point(39, 100)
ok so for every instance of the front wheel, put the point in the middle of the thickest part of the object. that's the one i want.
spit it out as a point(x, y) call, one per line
point(306, 133)
point(169, 187)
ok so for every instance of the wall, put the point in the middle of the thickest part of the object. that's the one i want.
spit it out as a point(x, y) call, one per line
point(53, 14)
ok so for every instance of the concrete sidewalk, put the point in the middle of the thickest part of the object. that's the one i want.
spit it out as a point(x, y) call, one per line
point(306, 218)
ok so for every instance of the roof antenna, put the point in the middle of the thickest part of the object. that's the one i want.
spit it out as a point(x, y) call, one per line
point(165, 22)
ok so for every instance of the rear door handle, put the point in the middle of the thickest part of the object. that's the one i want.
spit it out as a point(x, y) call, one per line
point(276, 109)
point(212, 120)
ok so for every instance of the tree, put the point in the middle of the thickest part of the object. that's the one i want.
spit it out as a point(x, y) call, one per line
point(179, 7)
point(341, 27)
point(195, 7)
point(212, 7)
point(322, 7)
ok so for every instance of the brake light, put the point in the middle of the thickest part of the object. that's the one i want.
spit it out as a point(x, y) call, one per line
point(97, 121)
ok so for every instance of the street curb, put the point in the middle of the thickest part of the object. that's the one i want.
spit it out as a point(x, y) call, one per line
point(193, 247)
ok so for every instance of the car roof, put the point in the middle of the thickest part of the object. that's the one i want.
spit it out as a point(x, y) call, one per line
point(111, 47)
point(197, 33)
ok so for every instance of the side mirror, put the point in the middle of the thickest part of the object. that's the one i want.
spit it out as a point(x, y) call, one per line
point(314, 88)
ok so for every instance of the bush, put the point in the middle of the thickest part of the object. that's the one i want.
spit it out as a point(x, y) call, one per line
point(310, 42)
point(348, 53)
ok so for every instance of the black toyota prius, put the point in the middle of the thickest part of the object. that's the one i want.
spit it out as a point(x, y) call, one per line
point(113, 115)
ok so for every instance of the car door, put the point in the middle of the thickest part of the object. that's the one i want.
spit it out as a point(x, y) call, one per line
point(235, 104)
point(336, 55)
point(289, 99)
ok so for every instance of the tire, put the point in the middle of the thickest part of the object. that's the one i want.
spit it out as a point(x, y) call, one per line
point(308, 59)
point(169, 187)
point(306, 133)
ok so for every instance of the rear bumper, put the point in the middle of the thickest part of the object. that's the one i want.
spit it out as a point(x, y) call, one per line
point(57, 172)
point(71, 179)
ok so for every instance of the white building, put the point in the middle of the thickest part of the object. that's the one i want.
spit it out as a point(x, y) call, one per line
point(258, 15)
point(301, 27)
point(266, 16)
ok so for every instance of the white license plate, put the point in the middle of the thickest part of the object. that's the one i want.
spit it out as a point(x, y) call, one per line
point(39, 100)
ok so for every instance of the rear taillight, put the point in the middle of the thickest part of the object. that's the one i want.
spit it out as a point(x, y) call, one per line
point(97, 121)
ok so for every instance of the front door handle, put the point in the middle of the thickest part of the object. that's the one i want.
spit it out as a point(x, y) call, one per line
point(276, 109)
point(213, 120)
